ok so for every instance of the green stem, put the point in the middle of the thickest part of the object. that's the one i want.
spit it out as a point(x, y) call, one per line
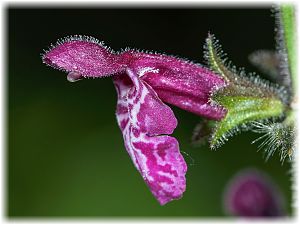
point(289, 27)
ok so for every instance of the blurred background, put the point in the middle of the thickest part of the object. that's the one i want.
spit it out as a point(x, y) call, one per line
point(65, 152)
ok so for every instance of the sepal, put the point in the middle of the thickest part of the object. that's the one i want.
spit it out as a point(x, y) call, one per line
point(246, 98)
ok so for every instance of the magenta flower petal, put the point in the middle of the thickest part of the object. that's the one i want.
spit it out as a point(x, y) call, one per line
point(143, 119)
point(84, 55)
point(179, 82)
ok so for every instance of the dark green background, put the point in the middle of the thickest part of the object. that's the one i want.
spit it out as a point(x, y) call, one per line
point(65, 152)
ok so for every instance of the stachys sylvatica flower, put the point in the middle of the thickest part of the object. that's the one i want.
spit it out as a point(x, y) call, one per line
point(144, 81)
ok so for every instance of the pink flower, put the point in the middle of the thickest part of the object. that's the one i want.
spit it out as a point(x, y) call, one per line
point(143, 82)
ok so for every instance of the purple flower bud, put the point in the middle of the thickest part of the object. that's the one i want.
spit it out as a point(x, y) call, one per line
point(252, 194)
point(143, 81)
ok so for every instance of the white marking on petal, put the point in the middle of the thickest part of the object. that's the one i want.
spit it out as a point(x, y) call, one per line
point(145, 70)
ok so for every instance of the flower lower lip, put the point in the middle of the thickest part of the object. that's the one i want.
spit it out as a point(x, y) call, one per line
point(74, 76)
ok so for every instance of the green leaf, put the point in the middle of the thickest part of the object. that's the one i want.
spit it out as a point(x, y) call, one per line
point(247, 98)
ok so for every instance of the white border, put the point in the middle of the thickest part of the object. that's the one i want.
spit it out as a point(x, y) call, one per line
point(90, 3)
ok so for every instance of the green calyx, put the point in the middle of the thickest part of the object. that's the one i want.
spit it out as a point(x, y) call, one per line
point(246, 98)
point(242, 110)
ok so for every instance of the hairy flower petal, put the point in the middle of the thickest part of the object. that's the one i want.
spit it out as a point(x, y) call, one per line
point(143, 119)
point(179, 82)
point(84, 55)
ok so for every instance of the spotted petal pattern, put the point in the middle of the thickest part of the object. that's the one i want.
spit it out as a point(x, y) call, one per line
point(144, 119)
